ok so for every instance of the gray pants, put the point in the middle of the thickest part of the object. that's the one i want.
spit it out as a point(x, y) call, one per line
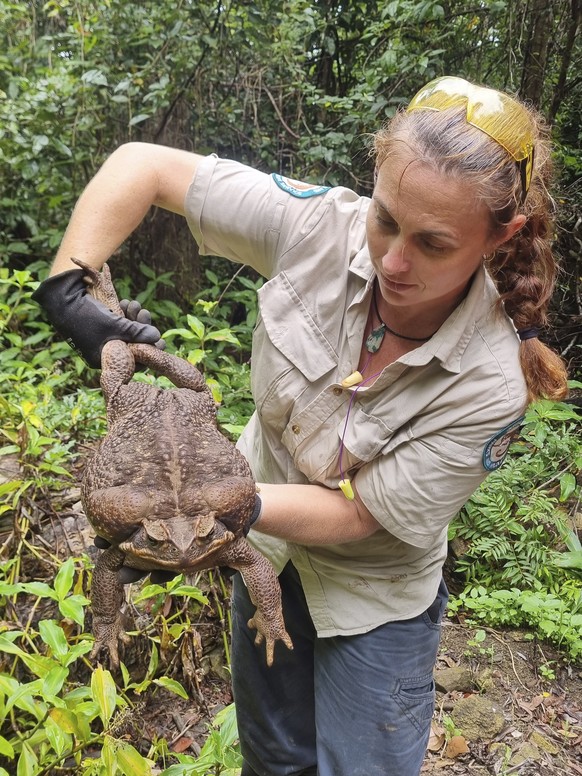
point(341, 706)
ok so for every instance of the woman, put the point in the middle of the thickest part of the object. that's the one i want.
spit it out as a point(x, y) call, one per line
point(396, 351)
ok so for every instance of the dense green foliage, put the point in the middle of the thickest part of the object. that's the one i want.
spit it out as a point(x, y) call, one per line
point(294, 86)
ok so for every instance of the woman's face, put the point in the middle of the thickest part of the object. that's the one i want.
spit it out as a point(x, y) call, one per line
point(427, 234)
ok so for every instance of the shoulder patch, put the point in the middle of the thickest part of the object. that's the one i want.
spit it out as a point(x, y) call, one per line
point(496, 448)
point(298, 189)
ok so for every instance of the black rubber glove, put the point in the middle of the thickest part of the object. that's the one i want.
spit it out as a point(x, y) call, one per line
point(127, 574)
point(255, 516)
point(85, 323)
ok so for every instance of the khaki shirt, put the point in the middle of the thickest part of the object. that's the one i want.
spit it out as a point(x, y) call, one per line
point(413, 442)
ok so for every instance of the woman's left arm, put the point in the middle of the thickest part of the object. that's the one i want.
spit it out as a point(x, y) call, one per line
point(313, 515)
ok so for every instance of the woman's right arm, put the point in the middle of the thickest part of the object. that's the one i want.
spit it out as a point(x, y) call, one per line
point(135, 177)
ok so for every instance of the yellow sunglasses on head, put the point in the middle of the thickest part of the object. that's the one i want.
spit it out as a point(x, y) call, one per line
point(495, 113)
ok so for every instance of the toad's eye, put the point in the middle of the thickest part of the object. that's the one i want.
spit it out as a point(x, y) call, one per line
point(152, 542)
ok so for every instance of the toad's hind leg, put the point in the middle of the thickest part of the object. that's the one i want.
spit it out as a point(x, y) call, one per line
point(117, 367)
point(181, 372)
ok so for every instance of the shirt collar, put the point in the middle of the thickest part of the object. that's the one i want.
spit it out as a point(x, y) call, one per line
point(450, 341)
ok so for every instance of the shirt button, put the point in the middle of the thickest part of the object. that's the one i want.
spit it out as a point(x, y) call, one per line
point(338, 391)
point(295, 429)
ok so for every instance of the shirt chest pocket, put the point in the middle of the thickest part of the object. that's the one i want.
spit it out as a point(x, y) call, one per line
point(338, 446)
point(290, 352)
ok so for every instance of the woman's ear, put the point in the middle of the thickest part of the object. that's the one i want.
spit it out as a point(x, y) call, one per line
point(509, 230)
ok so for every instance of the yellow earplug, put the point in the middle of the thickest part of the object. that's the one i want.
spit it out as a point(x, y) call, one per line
point(346, 488)
point(352, 379)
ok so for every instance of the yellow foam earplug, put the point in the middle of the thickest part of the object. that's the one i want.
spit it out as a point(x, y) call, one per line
point(346, 489)
point(352, 379)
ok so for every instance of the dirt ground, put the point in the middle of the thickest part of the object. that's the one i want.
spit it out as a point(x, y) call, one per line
point(540, 733)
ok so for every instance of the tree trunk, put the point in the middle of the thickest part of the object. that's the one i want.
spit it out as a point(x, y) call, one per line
point(535, 60)
point(566, 58)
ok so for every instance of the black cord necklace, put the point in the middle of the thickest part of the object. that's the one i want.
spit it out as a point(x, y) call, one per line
point(376, 336)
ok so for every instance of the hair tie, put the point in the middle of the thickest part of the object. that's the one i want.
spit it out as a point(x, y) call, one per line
point(530, 333)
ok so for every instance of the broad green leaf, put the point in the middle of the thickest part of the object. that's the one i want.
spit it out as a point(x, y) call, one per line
point(53, 635)
point(139, 119)
point(53, 682)
point(196, 325)
point(24, 698)
point(190, 591)
point(7, 646)
point(567, 486)
point(40, 589)
point(59, 739)
point(73, 607)
point(27, 762)
point(172, 685)
point(6, 589)
point(77, 650)
point(223, 335)
point(67, 720)
point(108, 754)
point(104, 694)
point(64, 578)
point(130, 761)
point(6, 748)
point(196, 355)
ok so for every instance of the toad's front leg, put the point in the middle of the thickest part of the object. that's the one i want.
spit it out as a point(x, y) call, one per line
point(107, 599)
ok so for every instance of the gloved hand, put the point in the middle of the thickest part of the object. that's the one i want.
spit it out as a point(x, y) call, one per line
point(127, 574)
point(85, 323)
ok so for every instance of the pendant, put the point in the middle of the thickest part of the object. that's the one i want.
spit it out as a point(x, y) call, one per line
point(375, 339)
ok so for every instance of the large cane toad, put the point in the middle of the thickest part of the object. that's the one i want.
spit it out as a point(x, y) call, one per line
point(165, 487)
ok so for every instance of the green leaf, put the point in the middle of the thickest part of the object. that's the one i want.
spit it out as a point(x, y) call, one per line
point(6, 748)
point(567, 486)
point(73, 607)
point(53, 635)
point(223, 335)
point(53, 682)
point(130, 761)
point(67, 720)
point(59, 739)
point(196, 325)
point(172, 685)
point(139, 118)
point(104, 694)
point(569, 560)
point(27, 762)
point(40, 589)
point(64, 578)
point(190, 591)
point(77, 650)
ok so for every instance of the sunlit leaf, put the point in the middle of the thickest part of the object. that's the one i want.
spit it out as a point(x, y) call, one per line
point(104, 693)
point(130, 761)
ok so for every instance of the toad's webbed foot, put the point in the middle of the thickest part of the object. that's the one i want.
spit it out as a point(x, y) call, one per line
point(270, 630)
point(107, 637)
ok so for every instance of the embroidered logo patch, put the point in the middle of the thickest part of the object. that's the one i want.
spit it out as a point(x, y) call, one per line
point(496, 448)
point(298, 188)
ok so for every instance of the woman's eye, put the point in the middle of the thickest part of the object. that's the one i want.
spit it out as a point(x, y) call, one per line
point(386, 223)
point(434, 248)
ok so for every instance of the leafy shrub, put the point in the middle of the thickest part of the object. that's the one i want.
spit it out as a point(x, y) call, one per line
point(520, 545)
